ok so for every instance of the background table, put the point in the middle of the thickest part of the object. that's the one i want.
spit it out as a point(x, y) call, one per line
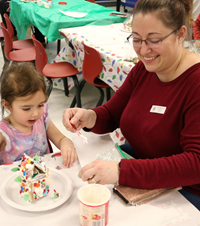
point(171, 209)
point(109, 41)
point(49, 21)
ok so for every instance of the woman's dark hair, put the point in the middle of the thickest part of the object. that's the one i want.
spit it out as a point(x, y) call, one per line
point(19, 81)
point(173, 13)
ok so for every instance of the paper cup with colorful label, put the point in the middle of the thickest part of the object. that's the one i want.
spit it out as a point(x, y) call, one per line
point(93, 205)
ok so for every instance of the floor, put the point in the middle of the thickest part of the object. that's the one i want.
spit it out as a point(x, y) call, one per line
point(58, 102)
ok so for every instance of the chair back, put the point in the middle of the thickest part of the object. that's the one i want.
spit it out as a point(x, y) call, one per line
point(9, 25)
point(8, 45)
point(41, 55)
point(92, 65)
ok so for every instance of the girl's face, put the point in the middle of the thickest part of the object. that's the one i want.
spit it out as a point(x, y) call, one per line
point(25, 111)
point(156, 58)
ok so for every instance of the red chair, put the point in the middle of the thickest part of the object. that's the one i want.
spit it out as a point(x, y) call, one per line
point(19, 44)
point(55, 70)
point(22, 55)
point(92, 66)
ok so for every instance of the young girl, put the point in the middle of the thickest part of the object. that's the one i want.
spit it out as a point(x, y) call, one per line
point(28, 126)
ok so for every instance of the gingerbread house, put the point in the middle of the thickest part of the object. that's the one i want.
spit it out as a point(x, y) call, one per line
point(35, 182)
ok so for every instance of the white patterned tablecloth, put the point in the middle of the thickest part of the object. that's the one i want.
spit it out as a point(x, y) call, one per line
point(109, 41)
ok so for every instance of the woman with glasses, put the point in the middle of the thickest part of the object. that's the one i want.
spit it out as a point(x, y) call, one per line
point(157, 108)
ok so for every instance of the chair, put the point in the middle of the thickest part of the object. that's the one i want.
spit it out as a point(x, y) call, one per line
point(19, 44)
point(55, 70)
point(22, 55)
point(92, 66)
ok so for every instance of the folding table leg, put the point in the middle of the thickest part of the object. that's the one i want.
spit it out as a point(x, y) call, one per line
point(78, 92)
point(81, 85)
point(58, 46)
point(108, 93)
point(65, 79)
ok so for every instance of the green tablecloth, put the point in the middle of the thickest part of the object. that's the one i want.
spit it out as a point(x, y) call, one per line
point(49, 21)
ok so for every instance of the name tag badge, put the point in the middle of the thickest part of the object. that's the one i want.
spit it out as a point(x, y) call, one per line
point(158, 109)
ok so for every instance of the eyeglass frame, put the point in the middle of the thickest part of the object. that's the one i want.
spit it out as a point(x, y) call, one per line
point(145, 40)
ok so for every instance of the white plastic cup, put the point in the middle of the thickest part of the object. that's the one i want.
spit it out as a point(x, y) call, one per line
point(93, 205)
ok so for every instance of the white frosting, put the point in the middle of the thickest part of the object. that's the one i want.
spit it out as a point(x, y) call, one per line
point(39, 191)
point(29, 166)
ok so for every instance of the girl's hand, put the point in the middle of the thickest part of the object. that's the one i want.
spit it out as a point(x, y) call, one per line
point(2, 142)
point(68, 152)
point(79, 117)
point(101, 172)
point(63, 143)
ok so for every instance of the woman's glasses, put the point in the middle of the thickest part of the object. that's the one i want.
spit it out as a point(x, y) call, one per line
point(152, 43)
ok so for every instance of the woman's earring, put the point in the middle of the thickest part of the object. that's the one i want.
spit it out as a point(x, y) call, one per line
point(180, 40)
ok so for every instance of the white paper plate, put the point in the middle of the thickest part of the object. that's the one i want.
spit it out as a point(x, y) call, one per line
point(59, 181)
point(73, 14)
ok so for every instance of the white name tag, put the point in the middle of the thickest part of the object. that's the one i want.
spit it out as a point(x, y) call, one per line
point(158, 109)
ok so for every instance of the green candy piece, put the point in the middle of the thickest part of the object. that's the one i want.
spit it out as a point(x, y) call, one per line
point(36, 158)
point(26, 197)
point(15, 169)
point(55, 196)
point(18, 179)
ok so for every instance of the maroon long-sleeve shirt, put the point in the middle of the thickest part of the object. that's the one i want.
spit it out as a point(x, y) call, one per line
point(161, 122)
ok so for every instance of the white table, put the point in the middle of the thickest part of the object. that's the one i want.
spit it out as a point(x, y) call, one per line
point(171, 209)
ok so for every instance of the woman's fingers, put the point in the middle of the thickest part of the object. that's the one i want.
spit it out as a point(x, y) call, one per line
point(72, 116)
point(88, 171)
point(100, 171)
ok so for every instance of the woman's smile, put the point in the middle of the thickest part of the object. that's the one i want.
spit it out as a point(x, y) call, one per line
point(149, 58)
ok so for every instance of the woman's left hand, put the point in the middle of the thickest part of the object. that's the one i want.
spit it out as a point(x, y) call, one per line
point(101, 172)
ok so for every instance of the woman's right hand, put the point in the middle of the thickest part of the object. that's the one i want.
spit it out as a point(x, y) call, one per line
point(2, 142)
point(79, 117)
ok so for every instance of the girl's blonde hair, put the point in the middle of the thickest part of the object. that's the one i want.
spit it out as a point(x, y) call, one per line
point(19, 81)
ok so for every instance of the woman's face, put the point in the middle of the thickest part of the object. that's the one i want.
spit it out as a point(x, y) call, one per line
point(158, 57)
